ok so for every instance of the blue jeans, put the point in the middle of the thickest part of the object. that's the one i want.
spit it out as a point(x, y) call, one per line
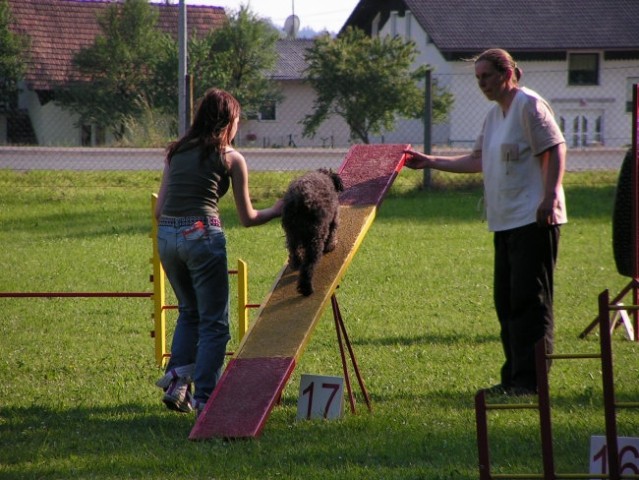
point(196, 267)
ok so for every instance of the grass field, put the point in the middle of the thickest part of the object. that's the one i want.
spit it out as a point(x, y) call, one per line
point(77, 396)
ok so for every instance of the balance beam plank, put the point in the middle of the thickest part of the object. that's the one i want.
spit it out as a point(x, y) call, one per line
point(255, 378)
point(243, 398)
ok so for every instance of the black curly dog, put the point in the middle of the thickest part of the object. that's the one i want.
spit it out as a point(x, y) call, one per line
point(310, 219)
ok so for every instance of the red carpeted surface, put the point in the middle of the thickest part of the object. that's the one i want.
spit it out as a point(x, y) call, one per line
point(368, 171)
point(244, 398)
point(254, 380)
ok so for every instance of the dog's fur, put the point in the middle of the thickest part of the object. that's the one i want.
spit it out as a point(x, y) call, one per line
point(310, 219)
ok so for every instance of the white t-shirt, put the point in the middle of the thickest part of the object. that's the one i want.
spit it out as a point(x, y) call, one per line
point(513, 180)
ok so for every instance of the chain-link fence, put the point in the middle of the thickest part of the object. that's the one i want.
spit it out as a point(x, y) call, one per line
point(596, 121)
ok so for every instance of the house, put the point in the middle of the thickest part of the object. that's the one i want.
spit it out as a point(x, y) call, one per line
point(581, 55)
point(57, 30)
point(280, 125)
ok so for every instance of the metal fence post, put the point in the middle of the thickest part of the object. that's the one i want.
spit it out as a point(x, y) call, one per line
point(428, 124)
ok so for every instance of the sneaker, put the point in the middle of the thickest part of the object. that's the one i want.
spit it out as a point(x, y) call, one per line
point(178, 396)
point(185, 372)
point(176, 384)
point(197, 406)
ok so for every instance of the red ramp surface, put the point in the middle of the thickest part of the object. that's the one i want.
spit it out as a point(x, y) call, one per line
point(255, 378)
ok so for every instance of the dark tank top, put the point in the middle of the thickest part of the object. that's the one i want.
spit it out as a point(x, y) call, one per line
point(195, 185)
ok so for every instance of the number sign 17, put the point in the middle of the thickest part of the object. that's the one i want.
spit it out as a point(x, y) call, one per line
point(320, 397)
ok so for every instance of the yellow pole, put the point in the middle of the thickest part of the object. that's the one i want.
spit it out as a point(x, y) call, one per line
point(242, 298)
point(159, 295)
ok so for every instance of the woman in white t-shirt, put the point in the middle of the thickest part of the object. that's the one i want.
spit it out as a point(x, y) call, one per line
point(521, 153)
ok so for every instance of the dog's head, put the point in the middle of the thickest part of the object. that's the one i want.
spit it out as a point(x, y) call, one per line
point(335, 178)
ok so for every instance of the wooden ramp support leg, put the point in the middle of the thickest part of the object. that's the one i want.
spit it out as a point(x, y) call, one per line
point(340, 328)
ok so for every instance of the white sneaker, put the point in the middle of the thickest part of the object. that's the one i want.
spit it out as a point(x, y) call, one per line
point(176, 384)
point(185, 372)
point(178, 396)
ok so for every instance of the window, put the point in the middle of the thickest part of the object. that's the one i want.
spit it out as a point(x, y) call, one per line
point(583, 69)
point(630, 81)
point(579, 131)
point(583, 128)
point(267, 111)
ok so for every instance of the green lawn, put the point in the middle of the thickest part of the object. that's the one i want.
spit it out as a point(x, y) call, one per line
point(77, 396)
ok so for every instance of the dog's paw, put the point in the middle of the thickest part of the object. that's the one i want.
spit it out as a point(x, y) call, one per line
point(305, 289)
point(329, 247)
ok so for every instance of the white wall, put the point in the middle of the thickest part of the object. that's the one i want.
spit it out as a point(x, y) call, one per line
point(52, 125)
point(297, 103)
point(412, 130)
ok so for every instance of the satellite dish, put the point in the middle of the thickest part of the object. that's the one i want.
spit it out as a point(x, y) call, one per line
point(291, 26)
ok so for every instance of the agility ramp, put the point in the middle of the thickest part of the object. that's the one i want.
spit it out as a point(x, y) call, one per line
point(255, 377)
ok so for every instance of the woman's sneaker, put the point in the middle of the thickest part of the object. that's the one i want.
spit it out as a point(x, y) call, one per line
point(176, 384)
point(197, 406)
point(185, 372)
point(178, 396)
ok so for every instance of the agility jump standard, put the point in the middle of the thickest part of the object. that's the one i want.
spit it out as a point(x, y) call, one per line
point(255, 377)
point(611, 405)
point(158, 296)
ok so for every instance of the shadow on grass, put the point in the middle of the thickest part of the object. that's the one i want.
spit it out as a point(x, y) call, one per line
point(131, 442)
point(136, 442)
point(56, 442)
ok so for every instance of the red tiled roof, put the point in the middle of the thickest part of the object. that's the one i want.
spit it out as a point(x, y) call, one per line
point(58, 29)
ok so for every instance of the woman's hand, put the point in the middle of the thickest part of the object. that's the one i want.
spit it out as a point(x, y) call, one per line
point(417, 160)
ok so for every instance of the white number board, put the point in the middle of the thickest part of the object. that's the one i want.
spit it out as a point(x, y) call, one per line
point(628, 455)
point(320, 397)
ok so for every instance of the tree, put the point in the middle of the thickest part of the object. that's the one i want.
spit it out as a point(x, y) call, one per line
point(367, 81)
point(12, 48)
point(238, 57)
point(116, 73)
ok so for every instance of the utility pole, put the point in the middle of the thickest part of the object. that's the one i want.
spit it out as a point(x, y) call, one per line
point(183, 120)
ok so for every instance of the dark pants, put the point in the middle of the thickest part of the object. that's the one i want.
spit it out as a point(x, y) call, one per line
point(525, 260)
